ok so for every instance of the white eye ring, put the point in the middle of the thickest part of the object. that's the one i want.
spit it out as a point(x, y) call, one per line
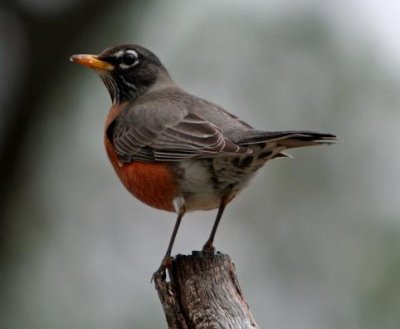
point(129, 58)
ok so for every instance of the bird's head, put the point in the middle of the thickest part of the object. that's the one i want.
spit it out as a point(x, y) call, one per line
point(128, 71)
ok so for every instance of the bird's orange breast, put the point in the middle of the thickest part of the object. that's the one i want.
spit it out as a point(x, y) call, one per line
point(151, 183)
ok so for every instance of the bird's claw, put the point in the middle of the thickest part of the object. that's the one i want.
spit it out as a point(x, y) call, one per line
point(161, 272)
point(208, 248)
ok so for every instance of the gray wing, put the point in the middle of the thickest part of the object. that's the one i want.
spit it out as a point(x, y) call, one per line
point(150, 133)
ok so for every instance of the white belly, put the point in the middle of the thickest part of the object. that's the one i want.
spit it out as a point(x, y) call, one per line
point(197, 189)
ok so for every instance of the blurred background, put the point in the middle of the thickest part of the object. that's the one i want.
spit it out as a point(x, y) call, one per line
point(315, 240)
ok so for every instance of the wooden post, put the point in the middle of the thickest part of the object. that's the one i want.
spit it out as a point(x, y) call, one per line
point(203, 292)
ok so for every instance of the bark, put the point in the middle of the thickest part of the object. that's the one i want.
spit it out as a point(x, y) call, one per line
point(203, 292)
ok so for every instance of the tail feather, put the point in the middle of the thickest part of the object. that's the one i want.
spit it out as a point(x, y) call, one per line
point(288, 139)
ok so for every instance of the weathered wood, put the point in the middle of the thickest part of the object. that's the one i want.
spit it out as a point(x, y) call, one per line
point(203, 293)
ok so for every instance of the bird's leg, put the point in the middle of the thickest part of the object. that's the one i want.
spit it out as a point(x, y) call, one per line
point(208, 246)
point(167, 261)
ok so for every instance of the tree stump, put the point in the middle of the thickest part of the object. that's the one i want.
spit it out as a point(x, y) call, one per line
point(203, 292)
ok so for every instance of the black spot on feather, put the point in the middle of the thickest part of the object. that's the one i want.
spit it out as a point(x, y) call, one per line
point(246, 162)
point(264, 155)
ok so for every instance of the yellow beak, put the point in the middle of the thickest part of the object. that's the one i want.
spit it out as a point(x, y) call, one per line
point(92, 62)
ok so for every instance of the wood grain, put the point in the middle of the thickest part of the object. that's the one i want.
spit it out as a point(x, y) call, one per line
point(203, 293)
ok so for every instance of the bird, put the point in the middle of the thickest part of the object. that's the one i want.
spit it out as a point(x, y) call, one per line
point(175, 151)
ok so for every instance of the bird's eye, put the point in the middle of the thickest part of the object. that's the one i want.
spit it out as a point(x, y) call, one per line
point(129, 59)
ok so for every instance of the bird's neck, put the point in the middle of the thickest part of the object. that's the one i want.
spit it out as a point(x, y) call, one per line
point(164, 81)
point(126, 91)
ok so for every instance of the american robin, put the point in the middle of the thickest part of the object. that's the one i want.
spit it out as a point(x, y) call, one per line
point(175, 151)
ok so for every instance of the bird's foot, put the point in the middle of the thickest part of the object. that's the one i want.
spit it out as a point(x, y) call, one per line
point(161, 271)
point(209, 248)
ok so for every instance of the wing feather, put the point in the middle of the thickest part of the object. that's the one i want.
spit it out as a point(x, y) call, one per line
point(176, 139)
